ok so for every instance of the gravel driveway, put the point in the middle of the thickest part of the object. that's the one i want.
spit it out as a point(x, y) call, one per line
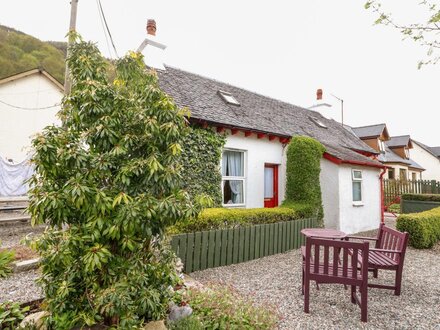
point(277, 280)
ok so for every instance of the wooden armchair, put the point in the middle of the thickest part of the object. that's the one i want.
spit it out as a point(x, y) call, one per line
point(388, 254)
point(330, 261)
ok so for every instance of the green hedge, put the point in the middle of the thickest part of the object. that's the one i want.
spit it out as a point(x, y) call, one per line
point(421, 197)
point(304, 156)
point(221, 218)
point(423, 227)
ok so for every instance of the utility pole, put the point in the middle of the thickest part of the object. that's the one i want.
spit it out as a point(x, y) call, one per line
point(72, 27)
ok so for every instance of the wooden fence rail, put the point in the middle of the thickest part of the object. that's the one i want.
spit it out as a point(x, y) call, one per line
point(207, 249)
point(395, 188)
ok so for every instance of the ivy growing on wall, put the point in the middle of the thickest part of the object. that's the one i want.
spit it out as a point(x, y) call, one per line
point(201, 155)
point(303, 167)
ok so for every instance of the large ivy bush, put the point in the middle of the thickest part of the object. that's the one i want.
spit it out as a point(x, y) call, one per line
point(201, 155)
point(107, 182)
point(302, 173)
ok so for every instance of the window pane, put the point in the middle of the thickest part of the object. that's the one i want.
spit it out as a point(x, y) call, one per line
point(268, 182)
point(357, 174)
point(233, 192)
point(233, 163)
point(357, 191)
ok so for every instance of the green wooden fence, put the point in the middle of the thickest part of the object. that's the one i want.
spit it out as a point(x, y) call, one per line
point(395, 188)
point(207, 249)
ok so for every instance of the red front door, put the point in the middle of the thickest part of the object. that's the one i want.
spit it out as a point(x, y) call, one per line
point(270, 185)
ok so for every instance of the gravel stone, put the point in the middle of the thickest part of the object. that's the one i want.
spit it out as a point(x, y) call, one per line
point(276, 280)
point(20, 287)
point(12, 233)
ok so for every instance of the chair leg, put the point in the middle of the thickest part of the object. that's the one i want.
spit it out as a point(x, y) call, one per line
point(353, 292)
point(398, 281)
point(364, 302)
point(302, 283)
point(375, 273)
point(306, 295)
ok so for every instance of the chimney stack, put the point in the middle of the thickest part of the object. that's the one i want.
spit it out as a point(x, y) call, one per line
point(151, 27)
point(319, 94)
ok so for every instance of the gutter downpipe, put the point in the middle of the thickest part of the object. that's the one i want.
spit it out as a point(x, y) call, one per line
point(382, 196)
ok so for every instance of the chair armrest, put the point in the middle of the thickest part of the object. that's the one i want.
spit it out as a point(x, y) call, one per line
point(385, 250)
point(361, 237)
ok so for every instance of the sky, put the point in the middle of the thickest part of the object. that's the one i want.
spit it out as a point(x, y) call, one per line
point(281, 48)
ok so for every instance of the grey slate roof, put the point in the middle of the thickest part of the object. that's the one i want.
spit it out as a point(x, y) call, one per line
point(258, 113)
point(426, 148)
point(436, 151)
point(369, 131)
point(390, 157)
point(398, 141)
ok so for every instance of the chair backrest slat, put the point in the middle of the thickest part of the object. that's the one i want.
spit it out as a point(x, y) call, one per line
point(391, 239)
point(339, 259)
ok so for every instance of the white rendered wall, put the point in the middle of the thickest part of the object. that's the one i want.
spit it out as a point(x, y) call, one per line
point(429, 162)
point(358, 218)
point(257, 153)
point(16, 125)
point(329, 179)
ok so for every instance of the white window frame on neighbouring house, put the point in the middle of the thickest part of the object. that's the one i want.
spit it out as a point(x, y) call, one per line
point(356, 181)
point(227, 178)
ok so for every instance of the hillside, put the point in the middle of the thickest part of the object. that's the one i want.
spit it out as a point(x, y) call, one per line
point(20, 52)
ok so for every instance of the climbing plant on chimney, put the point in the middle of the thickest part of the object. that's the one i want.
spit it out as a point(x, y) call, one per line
point(107, 182)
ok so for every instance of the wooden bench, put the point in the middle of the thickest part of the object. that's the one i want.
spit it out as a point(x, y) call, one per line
point(388, 254)
point(330, 261)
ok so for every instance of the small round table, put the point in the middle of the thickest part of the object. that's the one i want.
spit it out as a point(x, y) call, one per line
point(323, 233)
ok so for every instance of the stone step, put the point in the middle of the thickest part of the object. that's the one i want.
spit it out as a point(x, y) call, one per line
point(14, 218)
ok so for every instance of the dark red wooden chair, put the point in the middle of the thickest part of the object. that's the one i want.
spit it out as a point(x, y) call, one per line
point(388, 254)
point(330, 261)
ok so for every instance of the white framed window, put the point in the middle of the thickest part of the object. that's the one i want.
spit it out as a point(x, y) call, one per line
point(356, 177)
point(381, 145)
point(407, 153)
point(228, 98)
point(233, 178)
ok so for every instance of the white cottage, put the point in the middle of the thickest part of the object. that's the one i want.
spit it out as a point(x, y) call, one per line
point(29, 101)
point(258, 129)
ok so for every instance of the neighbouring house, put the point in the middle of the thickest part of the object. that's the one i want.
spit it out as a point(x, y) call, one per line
point(29, 102)
point(427, 157)
point(393, 151)
point(258, 129)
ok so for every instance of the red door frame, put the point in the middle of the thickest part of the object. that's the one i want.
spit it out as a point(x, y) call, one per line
point(273, 202)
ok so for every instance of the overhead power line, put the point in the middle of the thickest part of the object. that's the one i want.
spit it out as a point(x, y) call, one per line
point(25, 108)
point(104, 20)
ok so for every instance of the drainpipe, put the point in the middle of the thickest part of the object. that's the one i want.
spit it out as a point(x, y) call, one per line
point(382, 197)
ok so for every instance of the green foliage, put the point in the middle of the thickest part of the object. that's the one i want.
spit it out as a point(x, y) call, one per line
point(11, 314)
point(302, 172)
point(110, 177)
point(423, 31)
point(423, 227)
point(201, 155)
point(221, 307)
point(221, 218)
point(191, 322)
point(20, 52)
point(395, 208)
point(6, 258)
point(421, 197)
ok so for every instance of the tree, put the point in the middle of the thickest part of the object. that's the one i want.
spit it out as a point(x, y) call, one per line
point(110, 175)
point(425, 33)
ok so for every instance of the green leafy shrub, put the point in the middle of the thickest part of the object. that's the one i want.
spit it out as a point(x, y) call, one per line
point(188, 323)
point(302, 172)
point(421, 197)
point(221, 307)
point(201, 155)
point(110, 177)
point(395, 208)
point(423, 227)
point(6, 259)
point(221, 218)
point(11, 314)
